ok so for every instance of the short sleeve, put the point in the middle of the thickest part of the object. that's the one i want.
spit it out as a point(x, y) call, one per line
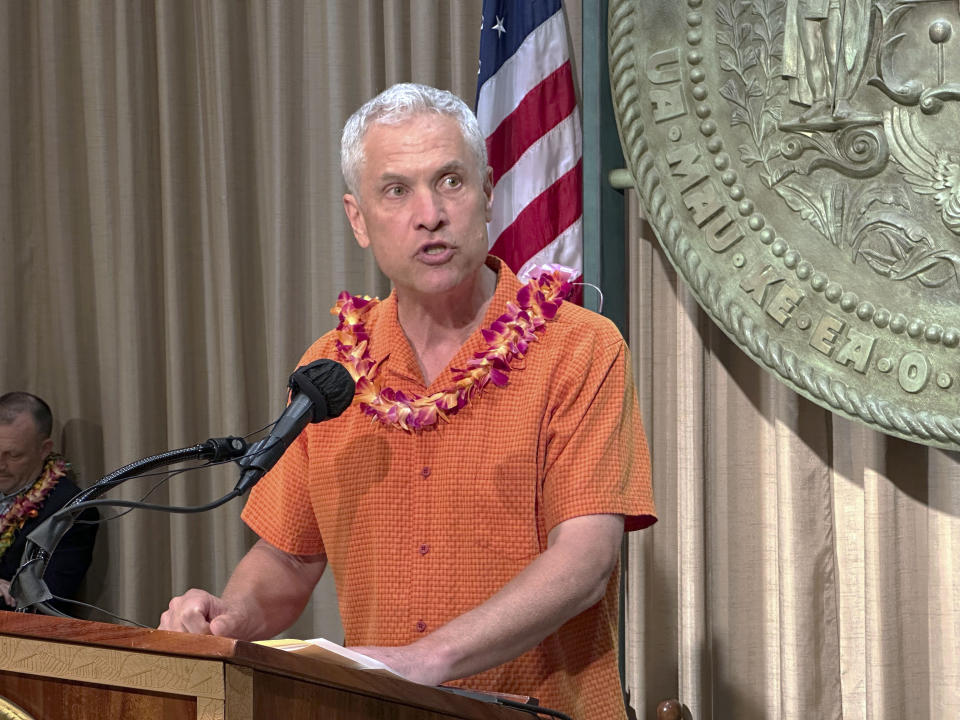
point(597, 460)
point(279, 508)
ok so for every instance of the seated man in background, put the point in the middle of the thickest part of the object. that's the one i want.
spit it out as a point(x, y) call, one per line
point(474, 536)
point(35, 482)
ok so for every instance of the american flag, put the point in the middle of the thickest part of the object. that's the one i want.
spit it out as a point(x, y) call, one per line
point(527, 108)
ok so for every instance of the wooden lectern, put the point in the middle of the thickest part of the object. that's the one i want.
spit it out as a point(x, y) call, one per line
point(65, 669)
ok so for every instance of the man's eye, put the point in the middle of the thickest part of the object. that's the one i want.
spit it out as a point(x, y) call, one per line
point(395, 191)
point(451, 181)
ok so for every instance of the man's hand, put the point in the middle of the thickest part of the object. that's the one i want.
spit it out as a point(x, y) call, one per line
point(266, 593)
point(5, 593)
point(199, 612)
point(405, 661)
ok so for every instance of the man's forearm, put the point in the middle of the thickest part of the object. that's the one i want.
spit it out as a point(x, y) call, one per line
point(568, 578)
point(272, 587)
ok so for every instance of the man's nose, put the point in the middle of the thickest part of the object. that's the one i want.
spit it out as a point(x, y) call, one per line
point(430, 212)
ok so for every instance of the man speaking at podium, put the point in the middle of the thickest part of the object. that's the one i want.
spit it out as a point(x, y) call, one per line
point(472, 501)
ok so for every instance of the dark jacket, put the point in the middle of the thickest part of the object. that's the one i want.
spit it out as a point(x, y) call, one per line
point(69, 562)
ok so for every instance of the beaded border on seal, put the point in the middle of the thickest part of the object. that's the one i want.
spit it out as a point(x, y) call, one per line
point(932, 428)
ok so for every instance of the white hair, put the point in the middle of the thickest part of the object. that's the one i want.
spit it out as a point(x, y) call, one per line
point(398, 104)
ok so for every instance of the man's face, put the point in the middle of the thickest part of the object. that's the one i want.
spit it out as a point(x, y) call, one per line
point(22, 452)
point(421, 206)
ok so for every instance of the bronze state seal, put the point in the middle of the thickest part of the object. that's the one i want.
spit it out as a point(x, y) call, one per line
point(799, 161)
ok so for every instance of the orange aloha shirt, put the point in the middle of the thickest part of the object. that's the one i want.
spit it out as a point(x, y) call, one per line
point(420, 527)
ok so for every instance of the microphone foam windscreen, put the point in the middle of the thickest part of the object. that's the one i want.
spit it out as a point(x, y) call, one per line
point(331, 380)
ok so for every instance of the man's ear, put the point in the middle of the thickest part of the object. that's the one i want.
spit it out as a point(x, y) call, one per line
point(488, 191)
point(351, 206)
point(46, 447)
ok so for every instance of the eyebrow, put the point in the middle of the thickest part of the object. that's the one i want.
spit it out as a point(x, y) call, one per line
point(452, 166)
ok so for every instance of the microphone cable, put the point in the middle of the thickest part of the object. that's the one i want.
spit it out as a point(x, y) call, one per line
point(132, 505)
point(496, 699)
point(166, 476)
point(532, 709)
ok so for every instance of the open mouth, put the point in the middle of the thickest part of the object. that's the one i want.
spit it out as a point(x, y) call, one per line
point(436, 253)
point(437, 249)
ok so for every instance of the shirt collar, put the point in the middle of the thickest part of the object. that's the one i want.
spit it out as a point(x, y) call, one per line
point(387, 336)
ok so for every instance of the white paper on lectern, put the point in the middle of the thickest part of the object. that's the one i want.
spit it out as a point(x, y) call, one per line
point(331, 652)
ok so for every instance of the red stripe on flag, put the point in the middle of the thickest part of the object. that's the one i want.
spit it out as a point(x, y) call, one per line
point(548, 215)
point(540, 111)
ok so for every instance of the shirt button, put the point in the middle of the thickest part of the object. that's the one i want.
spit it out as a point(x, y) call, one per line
point(425, 472)
point(421, 626)
point(424, 549)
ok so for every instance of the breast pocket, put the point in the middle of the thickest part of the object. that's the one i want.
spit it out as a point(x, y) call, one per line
point(507, 508)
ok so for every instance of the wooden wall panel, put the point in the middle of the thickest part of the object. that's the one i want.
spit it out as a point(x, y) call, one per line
point(56, 699)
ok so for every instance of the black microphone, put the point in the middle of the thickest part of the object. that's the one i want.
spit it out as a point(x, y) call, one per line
point(319, 391)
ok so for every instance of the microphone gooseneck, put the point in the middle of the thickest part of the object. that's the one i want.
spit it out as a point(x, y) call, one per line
point(318, 391)
point(27, 585)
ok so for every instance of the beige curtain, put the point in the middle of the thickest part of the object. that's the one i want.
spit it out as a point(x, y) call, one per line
point(803, 566)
